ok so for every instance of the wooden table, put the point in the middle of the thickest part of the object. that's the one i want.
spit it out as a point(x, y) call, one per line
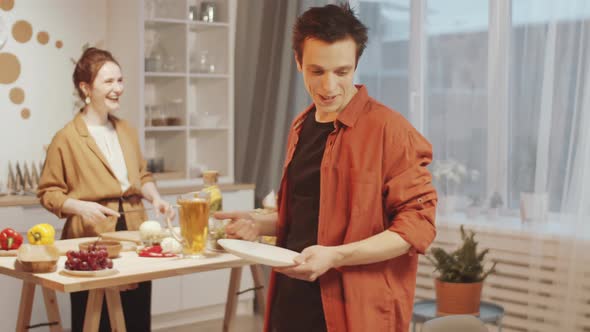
point(131, 269)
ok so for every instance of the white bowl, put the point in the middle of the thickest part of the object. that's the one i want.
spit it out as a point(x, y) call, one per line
point(209, 121)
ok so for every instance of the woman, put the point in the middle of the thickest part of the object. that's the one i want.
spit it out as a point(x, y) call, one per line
point(94, 171)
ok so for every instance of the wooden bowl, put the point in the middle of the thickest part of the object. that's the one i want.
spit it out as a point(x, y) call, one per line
point(113, 247)
point(38, 267)
point(37, 258)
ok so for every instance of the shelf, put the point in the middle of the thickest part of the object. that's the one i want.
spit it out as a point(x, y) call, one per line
point(224, 182)
point(165, 74)
point(172, 175)
point(199, 25)
point(166, 128)
point(202, 101)
point(203, 26)
point(157, 22)
point(208, 128)
point(203, 75)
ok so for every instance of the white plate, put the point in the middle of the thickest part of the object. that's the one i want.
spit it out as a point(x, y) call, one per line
point(259, 252)
point(98, 273)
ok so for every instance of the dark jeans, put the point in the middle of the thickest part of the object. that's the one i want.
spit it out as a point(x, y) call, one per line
point(137, 303)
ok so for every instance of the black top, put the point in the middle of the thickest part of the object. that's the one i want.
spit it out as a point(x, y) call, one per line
point(298, 304)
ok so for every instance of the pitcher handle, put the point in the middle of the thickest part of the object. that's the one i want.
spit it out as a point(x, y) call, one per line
point(176, 236)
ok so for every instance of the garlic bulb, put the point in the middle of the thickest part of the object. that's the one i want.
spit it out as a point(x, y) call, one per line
point(150, 232)
point(171, 245)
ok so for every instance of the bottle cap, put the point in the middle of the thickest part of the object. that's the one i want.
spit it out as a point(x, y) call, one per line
point(211, 176)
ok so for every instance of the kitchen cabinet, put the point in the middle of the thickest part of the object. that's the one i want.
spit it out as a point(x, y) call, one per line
point(180, 90)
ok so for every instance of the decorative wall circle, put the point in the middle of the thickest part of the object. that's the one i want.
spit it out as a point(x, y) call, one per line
point(9, 68)
point(22, 31)
point(25, 113)
point(43, 37)
point(17, 95)
point(6, 5)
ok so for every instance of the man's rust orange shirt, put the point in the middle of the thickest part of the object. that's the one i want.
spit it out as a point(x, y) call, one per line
point(373, 178)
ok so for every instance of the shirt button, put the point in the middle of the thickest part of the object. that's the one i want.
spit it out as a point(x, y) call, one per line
point(419, 200)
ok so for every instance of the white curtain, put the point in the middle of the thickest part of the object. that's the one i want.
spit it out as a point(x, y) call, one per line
point(524, 132)
point(266, 91)
point(507, 100)
point(552, 86)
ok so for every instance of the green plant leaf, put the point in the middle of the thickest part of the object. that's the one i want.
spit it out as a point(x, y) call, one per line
point(463, 265)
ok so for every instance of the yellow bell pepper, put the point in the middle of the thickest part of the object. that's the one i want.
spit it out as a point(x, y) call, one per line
point(41, 234)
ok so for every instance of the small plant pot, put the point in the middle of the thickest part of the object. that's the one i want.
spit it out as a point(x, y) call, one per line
point(457, 298)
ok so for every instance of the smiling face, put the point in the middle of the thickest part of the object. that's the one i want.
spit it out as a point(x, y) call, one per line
point(328, 72)
point(106, 89)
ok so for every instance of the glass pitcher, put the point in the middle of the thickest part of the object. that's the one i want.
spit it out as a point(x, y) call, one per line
point(193, 216)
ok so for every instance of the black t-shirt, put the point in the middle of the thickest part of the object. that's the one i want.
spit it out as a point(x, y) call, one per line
point(298, 304)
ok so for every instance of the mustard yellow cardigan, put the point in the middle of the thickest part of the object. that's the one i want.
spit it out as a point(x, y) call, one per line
point(76, 168)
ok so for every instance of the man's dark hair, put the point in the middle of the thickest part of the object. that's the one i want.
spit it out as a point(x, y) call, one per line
point(330, 23)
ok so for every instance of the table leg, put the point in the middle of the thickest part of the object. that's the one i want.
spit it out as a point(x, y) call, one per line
point(258, 278)
point(52, 309)
point(93, 310)
point(232, 298)
point(27, 295)
point(116, 316)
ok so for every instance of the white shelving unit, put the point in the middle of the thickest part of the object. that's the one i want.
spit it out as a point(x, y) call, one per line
point(173, 88)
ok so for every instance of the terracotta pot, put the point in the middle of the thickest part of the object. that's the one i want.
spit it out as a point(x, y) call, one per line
point(457, 298)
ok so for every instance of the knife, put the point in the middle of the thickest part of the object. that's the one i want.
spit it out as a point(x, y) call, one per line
point(142, 210)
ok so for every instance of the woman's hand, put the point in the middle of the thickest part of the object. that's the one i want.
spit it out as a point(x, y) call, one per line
point(92, 212)
point(242, 225)
point(162, 207)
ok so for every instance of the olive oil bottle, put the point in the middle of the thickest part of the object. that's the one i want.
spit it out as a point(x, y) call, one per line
point(216, 227)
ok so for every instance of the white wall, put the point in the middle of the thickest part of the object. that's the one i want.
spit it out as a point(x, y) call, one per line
point(46, 73)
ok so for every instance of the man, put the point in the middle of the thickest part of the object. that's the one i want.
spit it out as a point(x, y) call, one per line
point(356, 198)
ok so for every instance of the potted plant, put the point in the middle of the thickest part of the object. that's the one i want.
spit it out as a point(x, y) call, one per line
point(461, 275)
point(448, 175)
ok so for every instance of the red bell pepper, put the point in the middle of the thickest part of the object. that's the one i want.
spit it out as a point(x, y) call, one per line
point(10, 239)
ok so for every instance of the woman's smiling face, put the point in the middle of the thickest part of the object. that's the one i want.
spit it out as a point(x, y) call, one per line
point(107, 88)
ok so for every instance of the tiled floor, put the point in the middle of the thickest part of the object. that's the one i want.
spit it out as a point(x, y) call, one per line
point(242, 324)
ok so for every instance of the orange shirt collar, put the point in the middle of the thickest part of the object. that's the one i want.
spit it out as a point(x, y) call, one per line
point(349, 114)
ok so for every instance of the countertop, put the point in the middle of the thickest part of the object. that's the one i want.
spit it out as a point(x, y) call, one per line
point(29, 200)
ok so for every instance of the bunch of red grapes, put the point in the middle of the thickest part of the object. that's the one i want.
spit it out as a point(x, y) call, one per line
point(93, 259)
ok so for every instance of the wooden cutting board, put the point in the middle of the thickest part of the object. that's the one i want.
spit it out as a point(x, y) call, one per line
point(8, 253)
point(131, 236)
